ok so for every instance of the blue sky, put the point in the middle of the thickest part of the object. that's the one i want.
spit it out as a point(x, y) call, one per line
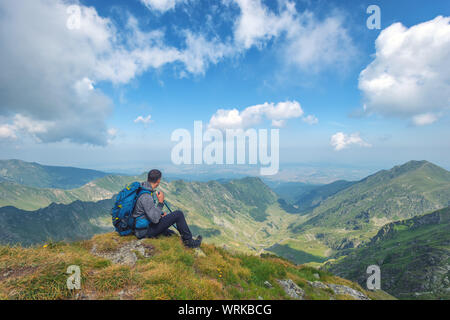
point(180, 61)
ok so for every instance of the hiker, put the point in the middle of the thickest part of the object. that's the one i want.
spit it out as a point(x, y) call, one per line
point(160, 221)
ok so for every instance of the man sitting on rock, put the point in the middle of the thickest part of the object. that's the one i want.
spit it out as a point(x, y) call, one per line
point(160, 221)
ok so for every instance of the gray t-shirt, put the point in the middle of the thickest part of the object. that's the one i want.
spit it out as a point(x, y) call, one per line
point(146, 205)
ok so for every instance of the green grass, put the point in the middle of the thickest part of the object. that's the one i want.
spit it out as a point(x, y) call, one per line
point(171, 272)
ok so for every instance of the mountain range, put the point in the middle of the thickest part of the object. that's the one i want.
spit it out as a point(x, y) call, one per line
point(303, 223)
point(33, 174)
point(354, 214)
point(57, 222)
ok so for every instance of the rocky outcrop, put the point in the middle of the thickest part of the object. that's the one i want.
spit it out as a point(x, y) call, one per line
point(292, 289)
point(339, 289)
point(126, 254)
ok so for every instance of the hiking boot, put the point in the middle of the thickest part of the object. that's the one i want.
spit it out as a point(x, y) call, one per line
point(193, 243)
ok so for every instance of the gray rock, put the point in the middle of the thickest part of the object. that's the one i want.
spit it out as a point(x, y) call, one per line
point(318, 284)
point(340, 289)
point(316, 275)
point(292, 289)
point(126, 254)
point(267, 284)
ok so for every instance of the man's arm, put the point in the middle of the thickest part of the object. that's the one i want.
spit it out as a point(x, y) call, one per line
point(152, 212)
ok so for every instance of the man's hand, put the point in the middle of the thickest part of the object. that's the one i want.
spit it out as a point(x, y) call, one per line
point(160, 196)
point(164, 214)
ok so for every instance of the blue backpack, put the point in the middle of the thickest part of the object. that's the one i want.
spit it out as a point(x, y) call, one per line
point(122, 212)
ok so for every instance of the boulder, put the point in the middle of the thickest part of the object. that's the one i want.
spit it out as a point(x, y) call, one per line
point(292, 289)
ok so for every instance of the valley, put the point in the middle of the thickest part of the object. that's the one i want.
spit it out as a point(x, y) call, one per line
point(316, 225)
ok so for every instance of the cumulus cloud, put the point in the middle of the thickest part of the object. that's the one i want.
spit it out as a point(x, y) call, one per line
point(21, 124)
point(200, 52)
point(257, 24)
point(309, 43)
point(7, 132)
point(253, 115)
point(49, 71)
point(341, 140)
point(409, 77)
point(310, 119)
point(145, 120)
point(161, 5)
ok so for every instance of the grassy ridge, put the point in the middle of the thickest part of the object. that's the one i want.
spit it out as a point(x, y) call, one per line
point(170, 271)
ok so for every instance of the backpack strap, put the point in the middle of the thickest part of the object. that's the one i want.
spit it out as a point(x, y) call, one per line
point(141, 191)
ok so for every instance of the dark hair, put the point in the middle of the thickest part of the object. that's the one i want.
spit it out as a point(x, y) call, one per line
point(154, 175)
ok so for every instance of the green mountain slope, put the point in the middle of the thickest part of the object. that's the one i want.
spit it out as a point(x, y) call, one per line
point(313, 198)
point(354, 214)
point(290, 191)
point(75, 221)
point(241, 213)
point(36, 175)
point(244, 214)
point(32, 198)
point(115, 267)
point(413, 255)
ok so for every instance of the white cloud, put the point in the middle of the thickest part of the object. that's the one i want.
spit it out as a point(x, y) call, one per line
point(314, 45)
point(278, 123)
point(145, 120)
point(257, 23)
point(341, 140)
point(253, 115)
point(200, 52)
point(7, 132)
point(24, 125)
point(310, 119)
point(409, 77)
point(31, 126)
point(49, 71)
point(161, 5)
point(424, 119)
point(308, 43)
